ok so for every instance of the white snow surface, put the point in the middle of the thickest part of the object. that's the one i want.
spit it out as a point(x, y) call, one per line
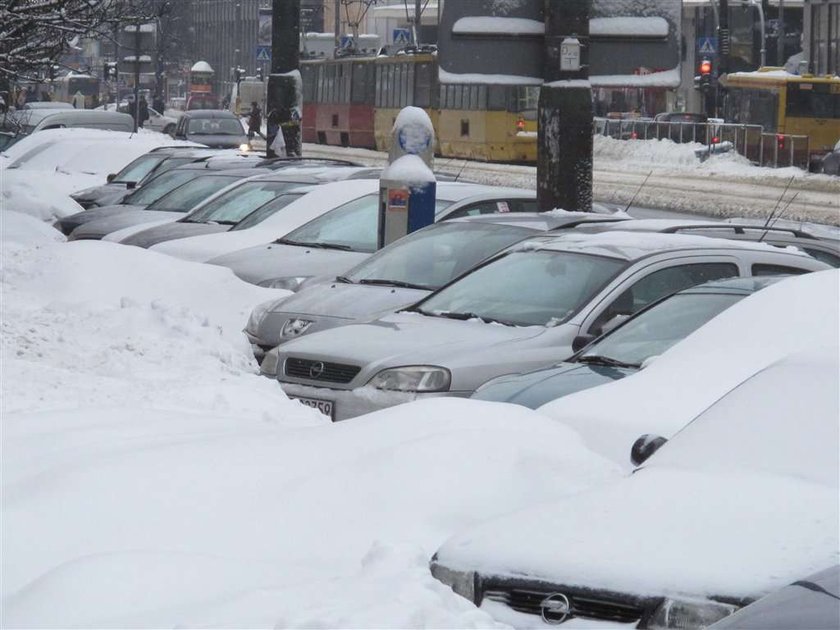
point(493, 79)
point(792, 316)
point(628, 27)
point(497, 26)
point(151, 478)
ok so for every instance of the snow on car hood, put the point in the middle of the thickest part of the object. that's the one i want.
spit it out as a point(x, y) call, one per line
point(347, 301)
point(172, 230)
point(276, 260)
point(121, 220)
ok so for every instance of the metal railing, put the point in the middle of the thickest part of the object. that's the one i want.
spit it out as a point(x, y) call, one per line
point(751, 141)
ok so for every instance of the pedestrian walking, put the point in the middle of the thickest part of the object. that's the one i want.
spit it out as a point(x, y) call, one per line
point(143, 112)
point(274, 138)
point(255, 121)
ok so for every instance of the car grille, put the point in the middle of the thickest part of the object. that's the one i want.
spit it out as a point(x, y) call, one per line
point(314, 370)
point(586, 606)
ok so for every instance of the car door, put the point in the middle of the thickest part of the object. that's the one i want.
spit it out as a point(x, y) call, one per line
point(646, 283)
point(155, 121)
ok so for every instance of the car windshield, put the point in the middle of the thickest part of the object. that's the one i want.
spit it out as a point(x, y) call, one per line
point(263, 212)
point(167, 165)
point(351, 226)
point(215, 127)
point(237, 203)
point(432, 257)
point(159, 186)
point(525, 288)
point(192, 193)
point(138, 169)
point(657, 329)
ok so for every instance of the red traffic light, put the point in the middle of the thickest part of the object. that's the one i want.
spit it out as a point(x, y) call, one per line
point(706, 67)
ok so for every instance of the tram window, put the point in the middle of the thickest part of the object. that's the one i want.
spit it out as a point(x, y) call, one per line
point(389, 90)
point(762, 109)
point(409, 85)
point(496, 98)
point(378, 86)
point(482, 97)
point(423, 85)
point(459, 97)
point(812, 103)
point(474, 97)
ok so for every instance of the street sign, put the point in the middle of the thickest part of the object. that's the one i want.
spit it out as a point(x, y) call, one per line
point(346, 42)
point(402, 36)
point(263, 53)
point(707, 45)
point(570, 54)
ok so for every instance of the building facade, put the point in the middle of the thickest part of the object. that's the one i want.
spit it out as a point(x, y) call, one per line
point(822, 36)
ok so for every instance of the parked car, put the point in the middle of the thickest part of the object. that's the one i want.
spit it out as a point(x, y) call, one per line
point(626, 349)
point(394, 277)
point(831, 161)
point(820, 242)
point(516, 312)
point(348, 234)
point(216, 128)
point(141, 170)
point(265, 194)
point(160, 122)
point(173, 205)
point(46, 105)
point(33, 120)
point(740, 502)
point(812, 602)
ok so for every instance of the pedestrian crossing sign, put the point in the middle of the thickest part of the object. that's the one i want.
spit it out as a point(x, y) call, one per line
point(263, 53)
point(402, 36)
point(707, 45)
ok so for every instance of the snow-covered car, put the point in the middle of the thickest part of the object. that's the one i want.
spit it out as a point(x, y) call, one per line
point(810, 602)
point(171, 206)
point(742, 501)
point(395, 277)
point(138, 172)
point(347, 235)
point(626, 349)
point(253, 199)
point(519, 311)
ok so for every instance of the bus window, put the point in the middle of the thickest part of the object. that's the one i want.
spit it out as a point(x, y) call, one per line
point(807, 100)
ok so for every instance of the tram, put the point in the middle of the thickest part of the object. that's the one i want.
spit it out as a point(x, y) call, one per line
point(201, 87)
point(65, 89)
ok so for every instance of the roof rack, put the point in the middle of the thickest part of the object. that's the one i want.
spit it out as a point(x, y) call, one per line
point(738, 229)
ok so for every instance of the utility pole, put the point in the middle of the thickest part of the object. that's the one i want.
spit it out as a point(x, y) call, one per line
point(137, 75)
point(564, 142)
point(337, 24)
point(285, 90)
point(780, 35)
point(724, 47)
point(418, 15)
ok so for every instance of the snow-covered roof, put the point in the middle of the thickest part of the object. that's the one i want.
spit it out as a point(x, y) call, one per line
point(497, 26)
point(491, 79)
point(201, 66)
point(665, 79)
point(628, 27)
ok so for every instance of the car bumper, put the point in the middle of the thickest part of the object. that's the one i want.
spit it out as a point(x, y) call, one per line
point(349, 403)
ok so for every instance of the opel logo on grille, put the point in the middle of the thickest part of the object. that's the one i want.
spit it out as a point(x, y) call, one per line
point(316, 369)
point(556, 608)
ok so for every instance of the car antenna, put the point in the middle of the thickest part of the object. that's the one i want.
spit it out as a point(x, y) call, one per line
point(461, 172)
point(767, 227)
point(630, 203)
point(776, 207)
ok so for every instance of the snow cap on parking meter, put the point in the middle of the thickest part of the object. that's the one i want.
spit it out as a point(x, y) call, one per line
point(407, 185)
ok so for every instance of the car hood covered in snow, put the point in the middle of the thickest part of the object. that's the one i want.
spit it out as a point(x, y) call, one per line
point(171, 231)
point(120, 220)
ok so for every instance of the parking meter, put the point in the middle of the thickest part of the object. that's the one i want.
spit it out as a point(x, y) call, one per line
point(407, 186)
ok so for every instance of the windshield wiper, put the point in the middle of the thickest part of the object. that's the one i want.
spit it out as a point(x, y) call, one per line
point(468, 315)
point(344, 248)
point(393, 283)
point(595, 359)
point(344, 279)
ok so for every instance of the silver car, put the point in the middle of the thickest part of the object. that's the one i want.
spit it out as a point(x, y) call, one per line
point(343, 237)
point(397, 276)
point(516, 312)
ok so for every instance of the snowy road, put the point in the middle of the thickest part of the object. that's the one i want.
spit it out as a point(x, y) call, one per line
point(722, 187)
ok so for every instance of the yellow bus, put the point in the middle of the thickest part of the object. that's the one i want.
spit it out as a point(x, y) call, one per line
point(787, 105)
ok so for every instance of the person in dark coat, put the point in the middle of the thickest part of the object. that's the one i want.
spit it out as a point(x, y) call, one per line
point(144, 112)
point(272, 129)
point(158, 104)
point(255, 121)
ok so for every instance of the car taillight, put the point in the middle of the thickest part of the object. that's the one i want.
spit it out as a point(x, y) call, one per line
point(780, 141)
point(634, 136)
point(715, 140)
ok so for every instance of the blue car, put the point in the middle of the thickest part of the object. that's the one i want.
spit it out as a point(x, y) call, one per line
point(625, 349)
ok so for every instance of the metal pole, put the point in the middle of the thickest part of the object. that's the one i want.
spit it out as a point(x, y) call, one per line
point(418, 14)
point(136, 76)
point(763, 51)
point(564, 138)
point(337, 22)
point(285, 91)
point(780, 36)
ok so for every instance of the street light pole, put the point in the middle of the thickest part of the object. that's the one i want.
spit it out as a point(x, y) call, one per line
point(763, 51)
point(564, 137)
point(285, 90)
point(780, 36)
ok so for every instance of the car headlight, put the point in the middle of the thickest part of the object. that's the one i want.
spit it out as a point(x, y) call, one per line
point(687, 614)
point(244, 148)
point(413, 378)
point(462, 582)
point(292, 283)
point(294, 327)
point(257, 315)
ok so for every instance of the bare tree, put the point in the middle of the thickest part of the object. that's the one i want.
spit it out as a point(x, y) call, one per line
point(35, 33)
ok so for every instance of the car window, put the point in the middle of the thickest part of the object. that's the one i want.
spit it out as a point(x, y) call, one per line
point(263, 212)
point(527, 288)
point(434, 256)
point(156, 188)
point(192, 193)
point(494, 206)
point(168, 164)
point(138, 169)
point(215, 127)
point(654, 331)
point(352, 225)
point(659, 284)
point(823, 256)
point(763, 269)
point(237, 203)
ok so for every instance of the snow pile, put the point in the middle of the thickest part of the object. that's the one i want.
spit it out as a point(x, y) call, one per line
point(664, 152)
point(791, 316)
point(151, 479)
point(22, 230)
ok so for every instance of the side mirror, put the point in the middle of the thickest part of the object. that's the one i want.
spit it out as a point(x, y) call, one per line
point(131, 185)
point(111, 177)
point(644, 447)
point(581, 341)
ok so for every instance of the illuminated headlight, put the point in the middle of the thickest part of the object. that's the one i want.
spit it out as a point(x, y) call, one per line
point(257, 315)
point(292, 283)
point(268, 367)
point(295, 326)
point(244, 148)
point(686, 614)
point(413, 378)
point(462, 582)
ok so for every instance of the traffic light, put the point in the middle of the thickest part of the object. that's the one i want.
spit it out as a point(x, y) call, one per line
point(109, 71)
point(705, 74)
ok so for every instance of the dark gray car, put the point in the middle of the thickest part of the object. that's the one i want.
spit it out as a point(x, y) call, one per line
point(624, 350)
point(216, 128)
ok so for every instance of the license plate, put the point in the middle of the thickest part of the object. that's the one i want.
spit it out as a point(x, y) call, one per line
point(324, 406)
